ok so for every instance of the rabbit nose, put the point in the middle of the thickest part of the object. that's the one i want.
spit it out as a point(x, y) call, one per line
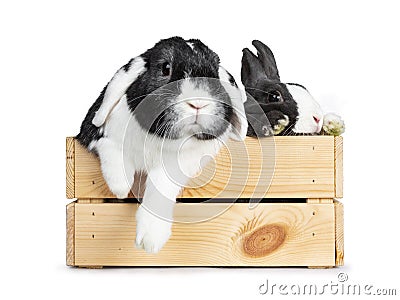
point(316, 119)
point(197, 104)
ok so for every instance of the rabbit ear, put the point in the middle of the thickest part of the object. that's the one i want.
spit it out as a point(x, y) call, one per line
point(117, 87)
point(252, 71)
point(239, 120)
point(267, 60)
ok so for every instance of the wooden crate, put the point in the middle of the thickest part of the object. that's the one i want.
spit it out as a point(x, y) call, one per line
point(282, 167)
point(305, 229)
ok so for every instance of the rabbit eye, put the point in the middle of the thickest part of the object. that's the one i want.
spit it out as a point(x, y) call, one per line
point(166, 69)
point(275, 96)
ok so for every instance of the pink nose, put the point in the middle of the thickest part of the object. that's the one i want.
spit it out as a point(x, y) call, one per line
point(316, 119)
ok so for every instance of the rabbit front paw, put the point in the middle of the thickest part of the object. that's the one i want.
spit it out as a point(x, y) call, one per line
point(119, 189)
point(282, 123)
point(152, 232)
point(278, 121)
point(117, 180)
point(333, 124)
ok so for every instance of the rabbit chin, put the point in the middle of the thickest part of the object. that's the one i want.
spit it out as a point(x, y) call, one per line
point(306, 126)
point(202, 124)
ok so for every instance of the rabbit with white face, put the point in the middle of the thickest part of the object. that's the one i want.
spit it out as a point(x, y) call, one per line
point(290, 109)
point(163, 113)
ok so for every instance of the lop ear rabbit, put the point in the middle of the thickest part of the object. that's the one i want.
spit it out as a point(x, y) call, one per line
point(162, 113)
point(289, 107)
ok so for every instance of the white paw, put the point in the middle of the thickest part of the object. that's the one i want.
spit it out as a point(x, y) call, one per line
point(120, 188)
point(333, 124)
point(152, 232)
point(266, 131)
point(282, 123)
point(99, 119)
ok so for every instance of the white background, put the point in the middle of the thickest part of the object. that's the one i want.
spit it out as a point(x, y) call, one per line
point(55, 59)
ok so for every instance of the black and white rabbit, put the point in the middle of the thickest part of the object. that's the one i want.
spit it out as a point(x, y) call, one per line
point(289, 107)
point(162, 113)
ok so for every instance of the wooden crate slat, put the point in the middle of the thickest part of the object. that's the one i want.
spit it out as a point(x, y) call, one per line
point(304, 167)
point(338, 167)
point(70, 168)
point(272, 234)
point(339, 232)
point(70, 241)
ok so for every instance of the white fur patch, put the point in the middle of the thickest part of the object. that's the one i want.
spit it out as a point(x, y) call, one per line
point(190, 45)
point(308, 109)
point(237, 103)
point(152, 232)
point(117, 87)
point(192, 96)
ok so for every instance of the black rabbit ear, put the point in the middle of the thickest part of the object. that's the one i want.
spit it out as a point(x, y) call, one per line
point(252, 71)
point(267, 60)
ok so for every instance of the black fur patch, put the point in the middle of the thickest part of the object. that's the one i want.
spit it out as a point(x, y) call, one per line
point(127, 66)
point(296, 84)
point(90, 132)
point(231, 79)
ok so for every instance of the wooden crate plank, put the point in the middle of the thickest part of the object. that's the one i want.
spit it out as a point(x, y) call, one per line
point(303, 167)
point(272, 234)
point(339, 233)
point(89, 200)
point(313, 200)
point(280, 167)
point(70, 249)
point(338, 167)
point(319, 200)
point(70, 167)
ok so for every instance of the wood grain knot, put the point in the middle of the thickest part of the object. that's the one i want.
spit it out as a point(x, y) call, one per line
point(264, 240)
